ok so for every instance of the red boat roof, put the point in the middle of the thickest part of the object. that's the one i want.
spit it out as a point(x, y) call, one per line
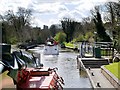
point(38, 69)
point(35, 79)
point(47, 81)
point(38, 81)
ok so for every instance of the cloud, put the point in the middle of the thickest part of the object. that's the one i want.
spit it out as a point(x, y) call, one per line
point(36, 21)
point(54, 21)
point(75, 15)
point(54, 1)
point(51, 11)
point(65, 14)
point(50, 8)
point(6, 5)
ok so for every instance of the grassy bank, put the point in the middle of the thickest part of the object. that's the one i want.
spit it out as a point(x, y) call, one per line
point(106, 52)
point(69, 45)
point(114, 68)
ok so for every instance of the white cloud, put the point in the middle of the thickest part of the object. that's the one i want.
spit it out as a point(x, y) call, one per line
point(6, 5)
point(53, 10)
point(65, 14)
point(50, 8)
point(54, 1)
point(53, 21)
point(76, 15)
point(37, 22)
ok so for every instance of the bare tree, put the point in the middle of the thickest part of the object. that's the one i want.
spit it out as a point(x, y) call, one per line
point(53, 30)
point(19, 20)
point(110, 7)
point(68, 26)
point(3, 34)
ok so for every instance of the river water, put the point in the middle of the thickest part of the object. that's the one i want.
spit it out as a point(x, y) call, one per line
point(67, 68)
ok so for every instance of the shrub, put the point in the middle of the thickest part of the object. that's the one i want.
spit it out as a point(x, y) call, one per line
point(12, 40)
point(60, 37)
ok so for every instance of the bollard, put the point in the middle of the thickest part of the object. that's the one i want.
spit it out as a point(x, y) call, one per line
point(98, 84)
point(92, 73)
point(89, 68)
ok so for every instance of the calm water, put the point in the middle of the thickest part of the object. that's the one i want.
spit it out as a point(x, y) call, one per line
point(67, 68)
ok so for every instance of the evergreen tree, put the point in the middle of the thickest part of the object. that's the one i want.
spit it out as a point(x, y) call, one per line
point(103, 37)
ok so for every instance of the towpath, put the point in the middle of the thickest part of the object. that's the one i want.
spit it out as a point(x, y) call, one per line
point(98, 77)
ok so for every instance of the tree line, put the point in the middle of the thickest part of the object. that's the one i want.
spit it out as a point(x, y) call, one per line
point(98, 27)
point(16, 26)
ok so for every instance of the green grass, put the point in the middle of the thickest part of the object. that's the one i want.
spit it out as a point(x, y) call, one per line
point(104, 53)
point(69, 45)
point(114, 68)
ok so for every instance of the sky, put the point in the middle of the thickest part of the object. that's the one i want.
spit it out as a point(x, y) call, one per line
point(47, 12)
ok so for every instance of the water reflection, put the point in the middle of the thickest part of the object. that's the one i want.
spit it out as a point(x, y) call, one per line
point(67, 68)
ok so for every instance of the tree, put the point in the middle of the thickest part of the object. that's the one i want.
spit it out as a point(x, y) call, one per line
point(99, 26)
point(15, 26)
point(3, 30)
point(111, 10)
point(53, 30)
point(114, 9)
point(88, 25)
point(68, 26)
point(4, 36)
point(78, 30)
point(117, 38)
point(19, 21)
point(60, 37)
